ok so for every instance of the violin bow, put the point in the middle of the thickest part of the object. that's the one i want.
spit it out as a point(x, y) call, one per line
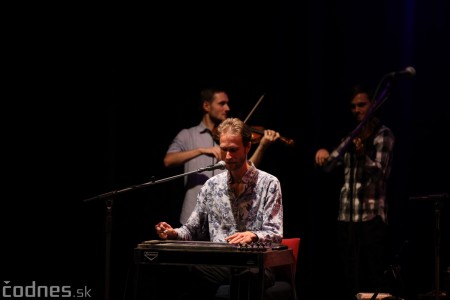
point(288, 142)
point(254, 107)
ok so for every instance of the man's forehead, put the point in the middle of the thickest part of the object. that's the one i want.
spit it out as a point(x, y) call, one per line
point(361, 97)
point(218, 97)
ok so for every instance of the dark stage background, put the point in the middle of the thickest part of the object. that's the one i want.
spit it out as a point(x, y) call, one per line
point(97, 93)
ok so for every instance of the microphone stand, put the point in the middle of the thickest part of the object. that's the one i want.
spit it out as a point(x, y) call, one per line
point(108, 197)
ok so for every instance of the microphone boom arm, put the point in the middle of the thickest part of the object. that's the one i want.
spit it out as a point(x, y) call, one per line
point(219, 165)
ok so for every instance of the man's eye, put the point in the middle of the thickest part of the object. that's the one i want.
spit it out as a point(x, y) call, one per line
point(359, 105)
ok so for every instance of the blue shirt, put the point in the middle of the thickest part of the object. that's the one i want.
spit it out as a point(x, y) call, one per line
point(187, 139)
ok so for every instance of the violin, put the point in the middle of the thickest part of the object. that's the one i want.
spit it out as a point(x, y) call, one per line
point(369, 128)
point(258, 133)
point(367, 131)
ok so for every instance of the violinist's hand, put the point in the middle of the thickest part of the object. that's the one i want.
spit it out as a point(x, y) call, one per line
point(322, 156)
point(269, 137)
point(211, 151)
point(165, 231)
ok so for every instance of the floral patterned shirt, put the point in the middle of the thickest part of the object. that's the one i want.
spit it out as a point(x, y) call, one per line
point(220, 213)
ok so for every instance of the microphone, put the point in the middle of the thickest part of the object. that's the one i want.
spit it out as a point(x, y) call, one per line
point(408, 72)
point(220, 165)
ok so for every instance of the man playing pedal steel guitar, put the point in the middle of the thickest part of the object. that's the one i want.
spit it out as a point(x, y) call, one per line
point(240, 206)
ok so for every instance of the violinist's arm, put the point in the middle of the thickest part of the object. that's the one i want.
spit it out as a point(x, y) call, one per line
point(175, 159)
point(269, 137)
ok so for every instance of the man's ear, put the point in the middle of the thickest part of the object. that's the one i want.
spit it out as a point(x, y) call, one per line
point(206, 106)
point(249, 146)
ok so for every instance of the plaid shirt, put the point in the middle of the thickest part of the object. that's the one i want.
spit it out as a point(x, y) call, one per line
point(368, 180)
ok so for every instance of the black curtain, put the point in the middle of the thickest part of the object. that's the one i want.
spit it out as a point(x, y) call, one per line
point(98, 93)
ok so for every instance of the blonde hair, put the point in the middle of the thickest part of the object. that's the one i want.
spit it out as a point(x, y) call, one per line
point(237, 127)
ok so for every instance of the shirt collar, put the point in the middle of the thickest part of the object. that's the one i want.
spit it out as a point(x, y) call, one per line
point(248, 177)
